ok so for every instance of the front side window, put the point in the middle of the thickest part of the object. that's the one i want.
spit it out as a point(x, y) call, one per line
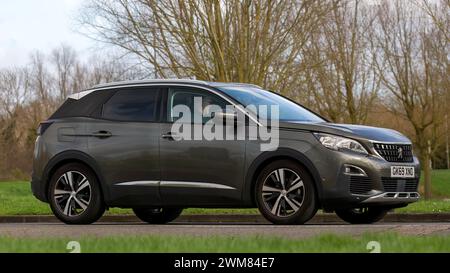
point(186, 97)
point(288, 110)
point(132, 105)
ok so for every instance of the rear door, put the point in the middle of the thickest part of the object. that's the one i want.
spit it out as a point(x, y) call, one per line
point(124, 141)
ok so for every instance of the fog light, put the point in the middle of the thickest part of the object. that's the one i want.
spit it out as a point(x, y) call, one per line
point(354, 170)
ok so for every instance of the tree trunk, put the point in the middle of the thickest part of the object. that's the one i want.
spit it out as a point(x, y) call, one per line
point(427, 176)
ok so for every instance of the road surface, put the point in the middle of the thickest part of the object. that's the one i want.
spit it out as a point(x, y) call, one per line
point(205, 229)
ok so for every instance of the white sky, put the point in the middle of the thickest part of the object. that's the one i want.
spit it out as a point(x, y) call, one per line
point(28, 25)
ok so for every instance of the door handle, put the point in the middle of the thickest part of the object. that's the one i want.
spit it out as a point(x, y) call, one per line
point(101, 134)
point(170, 136)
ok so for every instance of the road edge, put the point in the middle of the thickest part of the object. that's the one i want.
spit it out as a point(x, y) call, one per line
point(234, 218)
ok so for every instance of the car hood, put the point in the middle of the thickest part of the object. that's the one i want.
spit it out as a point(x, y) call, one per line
point(349, 130)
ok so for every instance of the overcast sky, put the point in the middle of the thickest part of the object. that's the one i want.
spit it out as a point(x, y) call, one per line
point(27, 25)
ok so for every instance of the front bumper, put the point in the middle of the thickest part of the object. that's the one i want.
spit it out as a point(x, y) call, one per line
point(374, 187)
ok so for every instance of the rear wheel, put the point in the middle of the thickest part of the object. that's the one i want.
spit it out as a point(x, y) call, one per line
point(74, 195)
point(157, 215)
point(363, 215)
point(285, 193)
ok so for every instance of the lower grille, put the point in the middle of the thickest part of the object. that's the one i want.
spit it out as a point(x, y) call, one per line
point(400, 185)
point(360, 184)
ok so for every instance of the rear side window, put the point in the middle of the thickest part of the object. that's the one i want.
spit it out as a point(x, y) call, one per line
point(132, 105)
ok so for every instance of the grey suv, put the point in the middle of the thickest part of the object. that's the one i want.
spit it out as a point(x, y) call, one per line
point(112, 146)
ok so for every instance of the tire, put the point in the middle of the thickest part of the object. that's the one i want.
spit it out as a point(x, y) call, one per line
point(365, 215)
point(157, 215)
point(285, 193)
point(74, 195)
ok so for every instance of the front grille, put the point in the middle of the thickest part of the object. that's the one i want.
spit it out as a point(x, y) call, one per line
point(399, 185)
point(395, 152)
point(360, 184)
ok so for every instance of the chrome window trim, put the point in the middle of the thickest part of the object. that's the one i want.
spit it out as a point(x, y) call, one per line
point(254, 119)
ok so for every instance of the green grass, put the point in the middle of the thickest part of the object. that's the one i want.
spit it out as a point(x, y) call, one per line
point(16, 199)
point(431, 206)
point(389, 242)
point(440, 180)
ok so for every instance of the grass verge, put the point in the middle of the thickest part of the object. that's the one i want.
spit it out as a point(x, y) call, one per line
point(430, 206)
point(390, 242)
point(440, 183)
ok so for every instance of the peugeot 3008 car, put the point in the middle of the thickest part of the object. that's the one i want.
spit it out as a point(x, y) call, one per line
point(113, 146)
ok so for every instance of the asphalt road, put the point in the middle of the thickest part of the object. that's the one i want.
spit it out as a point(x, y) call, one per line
point(205, 229)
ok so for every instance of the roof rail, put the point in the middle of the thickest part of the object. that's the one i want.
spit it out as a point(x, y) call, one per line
point(111, 84)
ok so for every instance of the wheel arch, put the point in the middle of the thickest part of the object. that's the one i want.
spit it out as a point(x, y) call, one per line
point(266, 158)
point(73, 156)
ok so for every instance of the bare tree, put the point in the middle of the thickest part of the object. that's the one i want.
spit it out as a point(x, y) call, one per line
point(245, 41)
point(341, 77)
point(111, 68)
point(439, 13)
point(413, 67)
point(64, 60)
point(80, 77)
point(14, 88)
point(41, 82)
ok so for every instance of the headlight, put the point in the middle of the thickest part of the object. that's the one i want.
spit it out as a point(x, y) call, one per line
point(340, 143)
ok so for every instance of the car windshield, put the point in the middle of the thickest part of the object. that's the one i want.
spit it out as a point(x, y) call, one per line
point(288, 110)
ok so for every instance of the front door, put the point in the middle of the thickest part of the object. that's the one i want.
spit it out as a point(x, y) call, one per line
point(199, 172)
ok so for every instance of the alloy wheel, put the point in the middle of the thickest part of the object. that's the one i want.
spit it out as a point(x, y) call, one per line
point(283, 192)
point(72, 193)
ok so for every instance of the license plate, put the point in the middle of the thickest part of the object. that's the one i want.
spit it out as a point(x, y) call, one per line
point(402, 171)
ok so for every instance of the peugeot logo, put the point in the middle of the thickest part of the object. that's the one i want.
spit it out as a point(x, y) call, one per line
point(400, 153)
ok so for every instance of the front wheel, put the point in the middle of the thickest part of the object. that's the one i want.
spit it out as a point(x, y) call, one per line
point(157, 215)
point(285, 193)
point(364, 215)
